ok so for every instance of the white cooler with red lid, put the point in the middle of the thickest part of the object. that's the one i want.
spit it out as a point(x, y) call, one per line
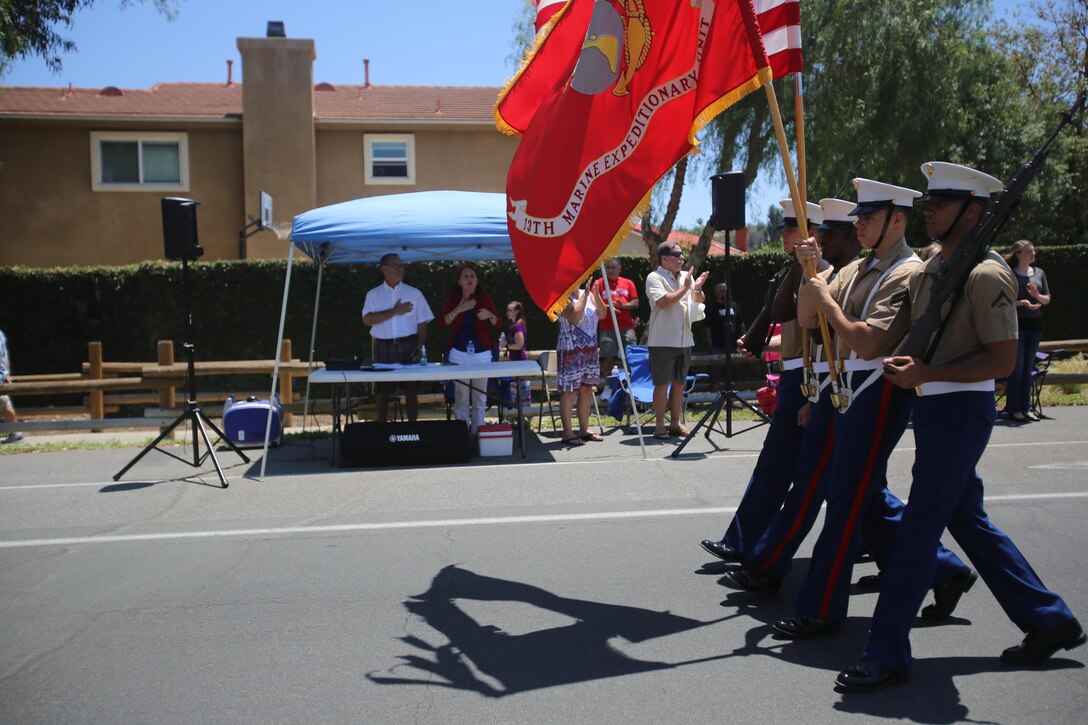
point(495, 440)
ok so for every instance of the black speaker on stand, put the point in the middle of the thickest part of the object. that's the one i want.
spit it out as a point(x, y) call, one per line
point(180, 242)
point(727, 214)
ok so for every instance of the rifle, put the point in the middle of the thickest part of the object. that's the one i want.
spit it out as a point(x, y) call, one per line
point(949, 283)
point(761, 325)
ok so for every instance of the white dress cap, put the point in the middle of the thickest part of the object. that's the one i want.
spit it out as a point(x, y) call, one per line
point(952, 180)
point(837, 210)
point(815, 213)
point(876, 195)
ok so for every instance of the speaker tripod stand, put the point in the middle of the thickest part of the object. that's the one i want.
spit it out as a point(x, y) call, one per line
point(727, 396)
point(192, 415)
point(724, 400)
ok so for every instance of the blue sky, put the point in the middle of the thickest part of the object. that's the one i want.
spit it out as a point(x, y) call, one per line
point(419, 42)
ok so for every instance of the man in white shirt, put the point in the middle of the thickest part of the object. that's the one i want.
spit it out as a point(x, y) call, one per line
point(397, 315)
point(672, 294)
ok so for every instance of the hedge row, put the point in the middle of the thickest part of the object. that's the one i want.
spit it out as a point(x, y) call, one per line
point(49, 315)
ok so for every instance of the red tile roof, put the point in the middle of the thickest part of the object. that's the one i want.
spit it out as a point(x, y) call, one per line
point(414, 103)
point(164, 100)
point(216, 100)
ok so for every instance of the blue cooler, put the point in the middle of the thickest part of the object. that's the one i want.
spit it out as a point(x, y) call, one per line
point(244, 423)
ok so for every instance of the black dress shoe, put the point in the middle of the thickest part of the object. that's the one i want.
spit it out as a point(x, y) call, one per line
point(720, 550)
point(1040, 644)
point(753, 581)
point(802, 626)
point(946, 595)
point(868, 676)
point(871, 582)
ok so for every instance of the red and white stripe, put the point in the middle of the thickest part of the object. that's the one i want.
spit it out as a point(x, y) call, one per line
point(545, 9)
point(780, 25)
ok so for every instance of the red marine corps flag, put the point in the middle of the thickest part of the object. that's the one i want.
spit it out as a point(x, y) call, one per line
point(610, 99)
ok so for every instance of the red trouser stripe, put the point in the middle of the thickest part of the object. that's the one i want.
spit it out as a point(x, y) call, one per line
point(859, 499)
point(810, 492)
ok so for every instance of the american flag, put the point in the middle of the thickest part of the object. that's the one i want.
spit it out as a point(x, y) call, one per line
point(780, 24)
point(545, 9)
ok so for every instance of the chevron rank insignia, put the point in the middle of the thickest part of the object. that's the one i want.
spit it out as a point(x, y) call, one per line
point(1002, 300)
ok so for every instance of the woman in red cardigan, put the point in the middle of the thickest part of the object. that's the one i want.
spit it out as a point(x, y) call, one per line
point(471, 317)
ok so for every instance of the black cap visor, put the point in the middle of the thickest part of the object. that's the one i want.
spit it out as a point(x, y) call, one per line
point(871, 207)
point(946, 194)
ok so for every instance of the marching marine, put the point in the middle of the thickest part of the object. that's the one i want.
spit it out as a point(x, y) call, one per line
point(953, 418)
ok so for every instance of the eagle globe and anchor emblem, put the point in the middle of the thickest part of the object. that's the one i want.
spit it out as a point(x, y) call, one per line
point(599, 65)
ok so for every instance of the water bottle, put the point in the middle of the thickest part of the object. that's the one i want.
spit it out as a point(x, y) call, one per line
point(422, 354)
point(615, 371)
point(471, 348)
point(502, 343)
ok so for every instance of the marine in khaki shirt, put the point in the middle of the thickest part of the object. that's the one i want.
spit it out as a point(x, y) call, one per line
point(865, 303)
point(952, 425)
point(884, 307)
point(984, 315)
point(790, 345)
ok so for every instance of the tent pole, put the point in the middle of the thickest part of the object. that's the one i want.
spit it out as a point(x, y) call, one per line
point(623, 359)
point(313, 341)
point(276, 357)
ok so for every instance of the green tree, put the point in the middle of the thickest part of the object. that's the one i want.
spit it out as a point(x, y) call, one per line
point(1047, 50)
point(524, 28)
point(30, 27)
point(896, 84)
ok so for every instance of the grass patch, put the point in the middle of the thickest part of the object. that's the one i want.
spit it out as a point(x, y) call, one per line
point(29, 445)
point(1059, 398)
point(1077, 364)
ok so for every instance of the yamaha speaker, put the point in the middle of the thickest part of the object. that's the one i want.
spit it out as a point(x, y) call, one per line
point(179, 228)
point(727, 201)
point(398, 444)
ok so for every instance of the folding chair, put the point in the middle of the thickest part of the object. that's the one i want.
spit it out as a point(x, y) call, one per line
point(641, 385)
point(1038, 376)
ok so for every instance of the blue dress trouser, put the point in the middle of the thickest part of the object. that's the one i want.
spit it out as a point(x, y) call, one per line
point(857, 498)
point(773, 552)
point(773, 473)
point(951, 432)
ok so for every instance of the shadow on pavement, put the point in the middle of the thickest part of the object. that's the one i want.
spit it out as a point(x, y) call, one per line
point(931, 695)
point(483, 658)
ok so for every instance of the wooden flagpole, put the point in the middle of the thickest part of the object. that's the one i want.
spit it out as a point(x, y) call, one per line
point(801, 212)
point(798, 109)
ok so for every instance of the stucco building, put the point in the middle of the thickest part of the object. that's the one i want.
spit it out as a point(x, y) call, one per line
point(82, 171)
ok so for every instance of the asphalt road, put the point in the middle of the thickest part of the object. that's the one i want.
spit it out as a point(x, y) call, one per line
point(568, 587)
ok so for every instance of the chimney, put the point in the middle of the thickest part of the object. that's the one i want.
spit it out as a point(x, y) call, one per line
point(366, 72)
point(230, 69)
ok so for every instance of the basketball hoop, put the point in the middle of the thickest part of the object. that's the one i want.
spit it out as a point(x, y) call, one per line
point(281, 229)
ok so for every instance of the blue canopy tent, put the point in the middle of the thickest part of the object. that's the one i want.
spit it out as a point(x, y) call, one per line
point(424, 226)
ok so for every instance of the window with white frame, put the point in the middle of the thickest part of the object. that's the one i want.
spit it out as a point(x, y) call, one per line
point(389, 158)
point(138, 161)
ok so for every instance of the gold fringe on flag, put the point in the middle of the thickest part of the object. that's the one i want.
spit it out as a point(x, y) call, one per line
point(530, 53)
point(761, 78)
point(610, 251)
